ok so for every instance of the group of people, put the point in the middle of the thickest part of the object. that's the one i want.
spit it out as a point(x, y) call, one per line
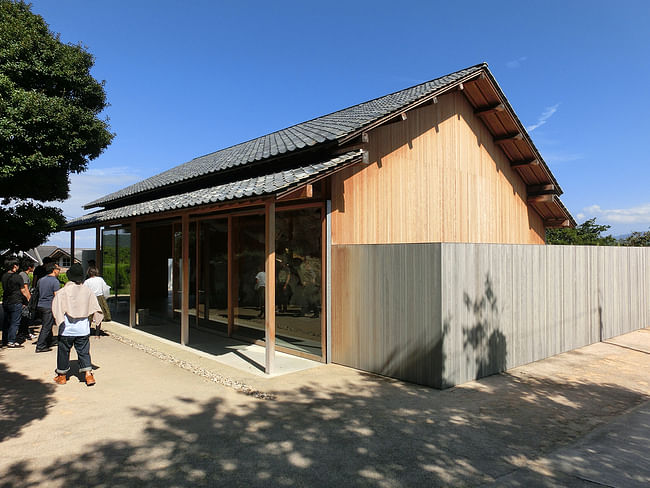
point(72, 308)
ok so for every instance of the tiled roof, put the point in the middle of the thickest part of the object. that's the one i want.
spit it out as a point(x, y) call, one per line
point(251, 187)
point(332, 127)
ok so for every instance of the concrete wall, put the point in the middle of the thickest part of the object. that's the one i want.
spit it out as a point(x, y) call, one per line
point(443, 313)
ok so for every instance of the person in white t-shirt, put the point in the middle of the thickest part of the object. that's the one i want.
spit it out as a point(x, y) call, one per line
point(101, 290)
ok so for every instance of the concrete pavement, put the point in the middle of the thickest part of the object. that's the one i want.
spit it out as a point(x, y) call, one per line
point(164, 416)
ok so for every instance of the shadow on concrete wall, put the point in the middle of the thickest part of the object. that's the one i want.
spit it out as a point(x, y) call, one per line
point(483, 339)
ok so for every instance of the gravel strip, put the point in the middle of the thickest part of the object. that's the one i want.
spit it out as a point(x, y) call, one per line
point(210, 375)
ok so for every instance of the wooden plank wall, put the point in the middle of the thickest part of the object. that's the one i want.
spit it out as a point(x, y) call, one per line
point(386, 309)
point(435, 177)
point(445, 313)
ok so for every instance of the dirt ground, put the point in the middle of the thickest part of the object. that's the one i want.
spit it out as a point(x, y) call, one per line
point(149, 422)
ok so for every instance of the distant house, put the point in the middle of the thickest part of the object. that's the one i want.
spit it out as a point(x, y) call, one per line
point(60, 255)
point(259, 227)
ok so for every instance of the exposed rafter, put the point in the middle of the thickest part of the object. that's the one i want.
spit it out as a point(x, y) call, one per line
point(522, 163)
point(548, 189)
point(493, 109)
point(508, 138)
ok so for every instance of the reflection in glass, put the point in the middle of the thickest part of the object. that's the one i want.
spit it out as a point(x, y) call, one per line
point(248, 276)
point(213, 275)
point(156, 278)
point(116, 270)
point(298, 280)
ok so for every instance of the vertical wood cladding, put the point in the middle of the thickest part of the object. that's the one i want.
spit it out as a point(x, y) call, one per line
point(435, 177)
point(441, 314)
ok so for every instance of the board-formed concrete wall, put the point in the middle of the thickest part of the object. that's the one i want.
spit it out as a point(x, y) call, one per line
point(441, 314)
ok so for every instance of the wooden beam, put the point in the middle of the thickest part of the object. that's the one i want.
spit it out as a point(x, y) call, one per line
point(364, 137)
point(134, 274)
point(231, 281)
point(98, 249)
point(522, 163)
point(347, 149)
point(306, 191)
point(71, 247)
point(489, 110)
point(185, 297)
point(508, 138)
point(269, 290)
point(541, 199)
point(557, 223)
point(534, 190)
point(403, 115)
point(461, 87)
point(434, 100)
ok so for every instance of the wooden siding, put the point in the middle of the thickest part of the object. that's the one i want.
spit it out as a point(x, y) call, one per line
point(445, 313)
point(435, 177)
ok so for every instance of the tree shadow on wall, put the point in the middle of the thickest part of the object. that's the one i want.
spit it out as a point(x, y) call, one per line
point(368, 432)
point(484, 339)
point(421, 362)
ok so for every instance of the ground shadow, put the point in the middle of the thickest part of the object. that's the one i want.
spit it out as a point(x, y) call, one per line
point(381, 433)
point(22, 400)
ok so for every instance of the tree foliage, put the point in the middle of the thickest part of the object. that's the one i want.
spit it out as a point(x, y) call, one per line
point(589, 233)
point(637, 239)
point(49, 123)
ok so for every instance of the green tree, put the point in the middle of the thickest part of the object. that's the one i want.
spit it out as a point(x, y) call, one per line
point(637, 239)
point(589, 233)
point(49, 124)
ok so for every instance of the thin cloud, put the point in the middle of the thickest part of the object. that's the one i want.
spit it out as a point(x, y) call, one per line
point(515, 63)
point(93, 184)
point(633, 215)
point(548, 113)
point(86, 187)
point(562, 157)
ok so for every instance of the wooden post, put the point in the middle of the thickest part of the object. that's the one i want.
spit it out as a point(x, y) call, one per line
point(269, 305)
point(185, 300)
point(231, 281)
point(71, 247)
point(98, 249)
point(134, 274)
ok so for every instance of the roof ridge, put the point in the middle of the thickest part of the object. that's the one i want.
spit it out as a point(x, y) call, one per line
point(309, 133)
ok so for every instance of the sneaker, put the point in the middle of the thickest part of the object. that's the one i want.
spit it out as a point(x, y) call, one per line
point(43, 349)
point(14, 345)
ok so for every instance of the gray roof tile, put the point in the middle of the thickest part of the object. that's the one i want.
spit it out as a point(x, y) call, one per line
point(257, 186)
point(329, 127)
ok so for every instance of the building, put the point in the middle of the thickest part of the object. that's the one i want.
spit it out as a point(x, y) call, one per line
point(213, 245)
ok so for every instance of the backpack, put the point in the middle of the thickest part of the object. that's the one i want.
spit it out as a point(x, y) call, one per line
point(33, 303)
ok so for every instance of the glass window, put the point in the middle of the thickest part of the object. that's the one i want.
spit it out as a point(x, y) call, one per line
point(298, 271)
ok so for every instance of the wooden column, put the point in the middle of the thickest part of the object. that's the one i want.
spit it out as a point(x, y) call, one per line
point(134, 274)
point(185, 300)
point(98, 249)
point(231, 281)
point(269, 306)
point(71, 247)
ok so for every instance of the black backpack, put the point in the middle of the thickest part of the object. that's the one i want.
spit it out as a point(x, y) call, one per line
point(33, 303)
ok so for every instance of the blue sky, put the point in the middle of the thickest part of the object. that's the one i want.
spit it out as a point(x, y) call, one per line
point(188, 78)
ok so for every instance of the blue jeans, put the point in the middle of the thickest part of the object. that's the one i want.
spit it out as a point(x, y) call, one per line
point(81, 345)
point(13, 314)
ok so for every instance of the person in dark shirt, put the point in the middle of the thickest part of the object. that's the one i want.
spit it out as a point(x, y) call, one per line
point(12, 302)
point(47, 287)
